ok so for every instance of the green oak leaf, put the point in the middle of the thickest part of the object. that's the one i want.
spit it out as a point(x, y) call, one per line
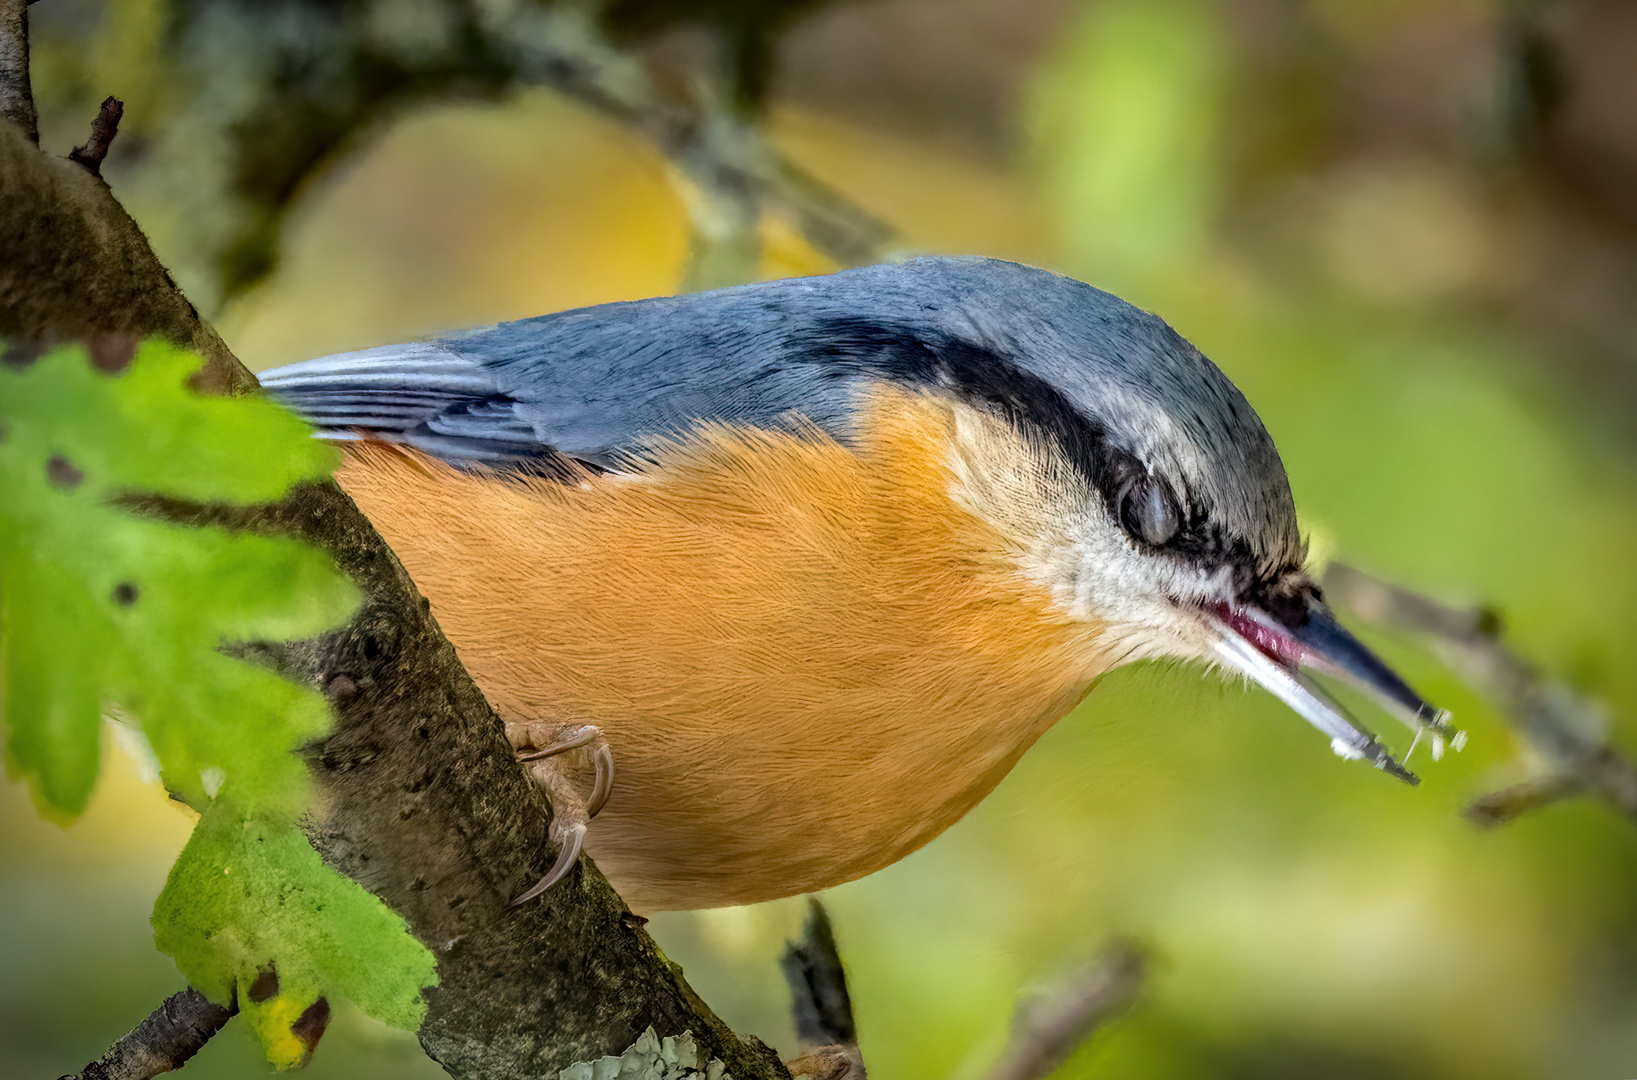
point(105, 608)
point(244, 901)
point(99, 606)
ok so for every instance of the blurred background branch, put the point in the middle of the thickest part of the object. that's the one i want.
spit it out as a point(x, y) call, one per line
point(1568, 732)
point(285, 90)
point(1053, 1024)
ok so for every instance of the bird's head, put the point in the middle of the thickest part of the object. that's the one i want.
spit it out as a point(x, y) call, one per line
point(1141, 489)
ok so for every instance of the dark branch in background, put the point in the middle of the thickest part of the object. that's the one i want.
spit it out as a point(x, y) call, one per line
point(822, 1007)
point(736, 173)
point(1051, 1027)
point(163, 1042)
point(422, 800)
point(747, 32)
point(733, 173)
point(1568, 731)
point(16, 93)
point(1533, 85)
point(317, 95)
point(820, 1004)
point(103, 130)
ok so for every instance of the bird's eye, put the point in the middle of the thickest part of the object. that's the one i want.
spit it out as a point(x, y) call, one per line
point(1149, 512)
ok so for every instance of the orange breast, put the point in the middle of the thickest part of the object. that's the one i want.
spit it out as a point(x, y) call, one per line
point(807, 659)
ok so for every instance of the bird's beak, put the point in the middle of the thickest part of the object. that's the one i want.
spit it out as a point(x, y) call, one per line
point(1273, 652)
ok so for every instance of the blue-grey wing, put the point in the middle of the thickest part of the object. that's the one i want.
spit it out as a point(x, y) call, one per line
point(603, 384)
point(418, 394)
point(600, 385)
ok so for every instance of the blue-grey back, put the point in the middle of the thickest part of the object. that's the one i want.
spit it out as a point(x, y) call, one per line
point(602, 384)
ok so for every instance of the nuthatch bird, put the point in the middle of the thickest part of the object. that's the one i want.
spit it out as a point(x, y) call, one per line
point(815, 561)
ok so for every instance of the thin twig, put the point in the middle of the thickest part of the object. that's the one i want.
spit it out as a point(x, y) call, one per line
point(16, 92)
point(822, 1006)
point(1568, 730)
point(103, 130)
point(820, 1003)
point(1050, 1028)
point(171, 1035)
point(1500, 807)
point(726, 158)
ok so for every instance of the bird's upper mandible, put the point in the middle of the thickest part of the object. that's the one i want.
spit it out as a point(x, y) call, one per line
point(1118, 490)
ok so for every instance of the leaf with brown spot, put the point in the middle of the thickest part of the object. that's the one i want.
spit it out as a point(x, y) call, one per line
point(101, 606)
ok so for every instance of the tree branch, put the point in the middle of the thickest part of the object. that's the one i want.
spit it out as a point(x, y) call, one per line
point(103, 130)
point(16, 92)
point(320, 92)
point(163, 1042)
point(725, 158)
point(1049, 1029)
point(1569, 731)
point(422, 801)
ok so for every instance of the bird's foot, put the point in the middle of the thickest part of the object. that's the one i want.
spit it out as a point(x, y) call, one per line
point(551, 753)
point(829, 1063)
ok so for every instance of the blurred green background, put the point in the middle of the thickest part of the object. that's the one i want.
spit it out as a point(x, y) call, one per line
point(1407, 230)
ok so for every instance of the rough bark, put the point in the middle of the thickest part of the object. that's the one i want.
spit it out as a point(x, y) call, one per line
point(163, 1042)
point(16, 99)
point(422, 801)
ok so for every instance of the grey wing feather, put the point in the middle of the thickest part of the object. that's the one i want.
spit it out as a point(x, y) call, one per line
point(419, 394)
point(602, 384)
point(599, 385)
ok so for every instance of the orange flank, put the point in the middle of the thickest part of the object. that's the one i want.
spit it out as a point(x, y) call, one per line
point(765, 624)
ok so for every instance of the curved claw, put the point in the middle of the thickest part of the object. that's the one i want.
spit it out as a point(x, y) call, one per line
point(584, 737)
point(600, 791)
point(567, 855)
point(570, 813)
point(602, 756)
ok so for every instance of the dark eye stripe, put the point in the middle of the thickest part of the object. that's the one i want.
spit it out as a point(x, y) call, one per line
point(987, 380)
point(981, 377)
